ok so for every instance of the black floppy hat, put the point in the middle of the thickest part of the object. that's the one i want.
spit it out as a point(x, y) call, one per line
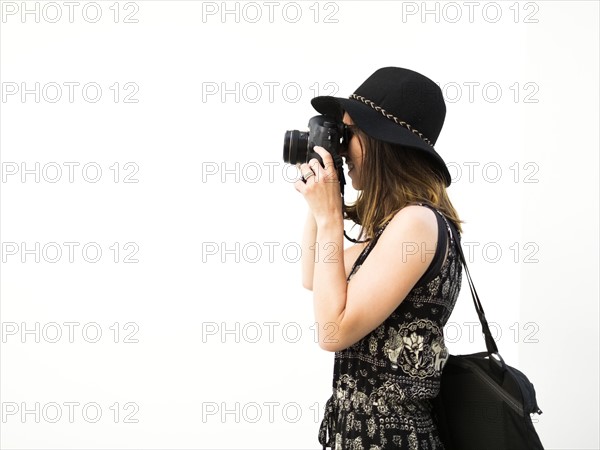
point(395, 105)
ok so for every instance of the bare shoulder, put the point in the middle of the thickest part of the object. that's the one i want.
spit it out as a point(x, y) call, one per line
point(418, 219)
point(412, 226)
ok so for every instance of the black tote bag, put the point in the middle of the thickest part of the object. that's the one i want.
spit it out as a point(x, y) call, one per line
point(484, 404)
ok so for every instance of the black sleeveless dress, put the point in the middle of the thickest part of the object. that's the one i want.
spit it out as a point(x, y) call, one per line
point(384, 383)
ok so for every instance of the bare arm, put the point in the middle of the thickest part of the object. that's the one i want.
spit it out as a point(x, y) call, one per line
point(308, 251)
point(346, 312)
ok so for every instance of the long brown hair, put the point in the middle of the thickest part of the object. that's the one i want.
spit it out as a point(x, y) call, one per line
point(392, 177)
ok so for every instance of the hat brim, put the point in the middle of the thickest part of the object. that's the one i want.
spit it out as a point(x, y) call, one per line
point(375, 125)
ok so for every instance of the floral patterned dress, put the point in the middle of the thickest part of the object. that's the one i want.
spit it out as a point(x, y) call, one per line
point(384, 383)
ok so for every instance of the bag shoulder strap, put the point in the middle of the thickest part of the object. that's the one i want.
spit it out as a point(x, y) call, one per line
point(490, 343)
point(445, 240)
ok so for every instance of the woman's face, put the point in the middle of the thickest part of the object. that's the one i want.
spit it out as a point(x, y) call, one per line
point(353, 156)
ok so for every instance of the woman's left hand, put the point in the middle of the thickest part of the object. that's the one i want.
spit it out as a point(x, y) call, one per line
point(321, 190)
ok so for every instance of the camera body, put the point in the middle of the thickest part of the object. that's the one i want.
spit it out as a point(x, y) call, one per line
point(323, 131)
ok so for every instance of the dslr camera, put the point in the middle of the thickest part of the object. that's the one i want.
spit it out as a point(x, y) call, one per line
point(323, 131)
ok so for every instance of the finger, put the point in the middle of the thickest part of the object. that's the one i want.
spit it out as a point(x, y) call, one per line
point(316, 167)
point(300, 185)
point(328, 174)
point(307, 169)
point(325, 156)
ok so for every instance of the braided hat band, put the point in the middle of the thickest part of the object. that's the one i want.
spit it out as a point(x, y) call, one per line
point(391, 117)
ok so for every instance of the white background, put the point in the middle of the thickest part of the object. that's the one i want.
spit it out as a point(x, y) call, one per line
point(178, 378)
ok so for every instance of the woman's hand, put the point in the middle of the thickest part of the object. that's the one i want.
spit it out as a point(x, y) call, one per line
point(321, 190)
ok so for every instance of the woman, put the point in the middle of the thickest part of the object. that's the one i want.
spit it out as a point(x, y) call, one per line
point(385, 321)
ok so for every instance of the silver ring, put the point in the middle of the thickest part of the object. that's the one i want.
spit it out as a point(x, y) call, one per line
point(306, 176)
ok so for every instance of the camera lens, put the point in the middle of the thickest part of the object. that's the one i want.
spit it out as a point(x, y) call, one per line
point(295, 146)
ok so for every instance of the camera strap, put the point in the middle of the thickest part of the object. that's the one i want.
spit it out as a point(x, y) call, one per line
point(339, 164)
point(354, 240)
point(337, 161)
